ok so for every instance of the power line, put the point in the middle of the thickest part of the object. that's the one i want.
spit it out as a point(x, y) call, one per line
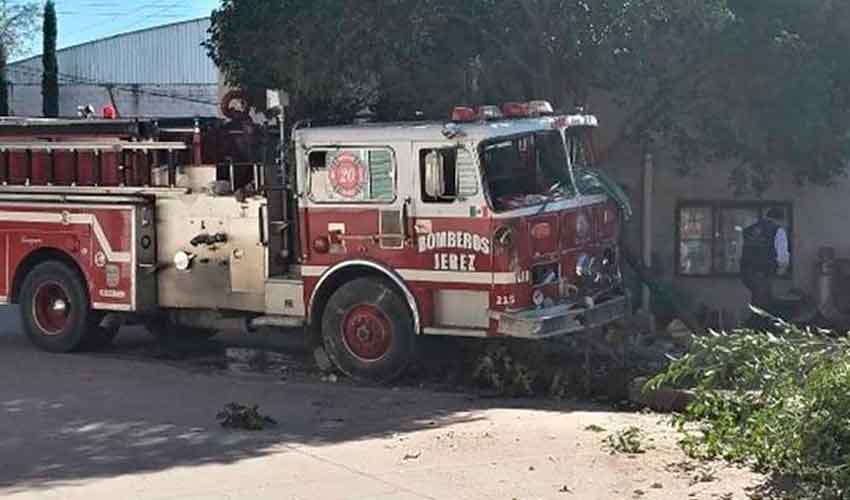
point(155, 6)
point(90, 81)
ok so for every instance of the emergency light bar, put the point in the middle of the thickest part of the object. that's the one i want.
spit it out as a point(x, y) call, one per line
point(465, 114)
point(576, 121)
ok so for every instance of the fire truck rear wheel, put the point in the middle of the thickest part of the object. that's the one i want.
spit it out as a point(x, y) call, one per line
point(55, 307)
point(367, 329)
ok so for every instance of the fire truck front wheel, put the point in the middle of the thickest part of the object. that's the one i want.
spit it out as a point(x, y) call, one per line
point(55, 307)
point(367, 329)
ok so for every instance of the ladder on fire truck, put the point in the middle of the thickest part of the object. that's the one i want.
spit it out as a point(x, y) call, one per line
point(75, 154)
point(96, 157)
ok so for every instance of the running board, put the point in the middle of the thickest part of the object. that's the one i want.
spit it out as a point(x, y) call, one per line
point(276, 322)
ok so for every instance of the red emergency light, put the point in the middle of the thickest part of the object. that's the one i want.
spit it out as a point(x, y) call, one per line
point(515, 110)
point(109, 113)
point(464, 114)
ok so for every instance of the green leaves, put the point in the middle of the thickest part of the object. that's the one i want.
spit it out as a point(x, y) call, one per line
point(778, 400)
point(50, 77)
point(628, 441)
point(761, 85)
point(19, 23)
point(249, 418)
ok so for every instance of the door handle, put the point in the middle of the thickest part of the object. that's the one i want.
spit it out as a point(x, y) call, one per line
point(409, 232)
point(264, 240)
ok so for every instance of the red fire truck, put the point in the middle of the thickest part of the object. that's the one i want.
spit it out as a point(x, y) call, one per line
point(488, 225)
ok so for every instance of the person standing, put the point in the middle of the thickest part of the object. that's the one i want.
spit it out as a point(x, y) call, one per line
point(765, 255)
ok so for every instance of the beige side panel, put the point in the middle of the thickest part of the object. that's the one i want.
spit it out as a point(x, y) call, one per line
point(228, 275)
point(461, 308)
point(285, 297)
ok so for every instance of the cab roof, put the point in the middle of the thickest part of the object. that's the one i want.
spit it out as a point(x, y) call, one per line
point(420, 131)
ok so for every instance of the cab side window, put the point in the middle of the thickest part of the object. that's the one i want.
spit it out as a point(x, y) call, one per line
point(447, 175)
point(448, 158)
point(352, 175)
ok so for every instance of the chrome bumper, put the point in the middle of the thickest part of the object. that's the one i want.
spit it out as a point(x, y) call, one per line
point(562, 319)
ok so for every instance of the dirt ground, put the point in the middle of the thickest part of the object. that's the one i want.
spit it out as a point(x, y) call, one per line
point(132, 424)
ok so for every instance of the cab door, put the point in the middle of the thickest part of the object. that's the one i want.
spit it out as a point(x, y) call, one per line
point(355, 205)
point(451, 228)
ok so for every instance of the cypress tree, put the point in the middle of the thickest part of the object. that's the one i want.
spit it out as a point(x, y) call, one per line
point(50, 77)
point(4, 82)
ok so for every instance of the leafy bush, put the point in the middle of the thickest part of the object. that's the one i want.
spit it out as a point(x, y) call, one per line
point(779, 401)
point(628, 441)
point(499, 370)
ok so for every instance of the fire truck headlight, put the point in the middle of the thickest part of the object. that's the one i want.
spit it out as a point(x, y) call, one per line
point(183, 260)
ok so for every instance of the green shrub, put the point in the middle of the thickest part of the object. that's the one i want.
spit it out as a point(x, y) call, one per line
point(778, 401)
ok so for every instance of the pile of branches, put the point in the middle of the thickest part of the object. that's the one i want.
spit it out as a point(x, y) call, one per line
point(249, 418)
point(776, 400)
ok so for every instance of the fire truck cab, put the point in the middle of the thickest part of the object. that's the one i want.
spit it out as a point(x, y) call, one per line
point(485, 226)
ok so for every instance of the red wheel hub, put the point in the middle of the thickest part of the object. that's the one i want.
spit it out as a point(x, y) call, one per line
point(368, 332)
point(51, 307)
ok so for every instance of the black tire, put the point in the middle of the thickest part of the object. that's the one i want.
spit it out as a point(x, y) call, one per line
point(367, 330)
point(47, 326)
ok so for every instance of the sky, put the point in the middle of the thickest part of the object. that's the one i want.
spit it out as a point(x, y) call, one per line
point(84, 20)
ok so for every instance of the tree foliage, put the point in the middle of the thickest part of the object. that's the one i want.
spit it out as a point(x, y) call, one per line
point(778, 401)
point(18, 25)
point(50, 75)
point(761, 84)
point(4, 82)
point(338, 55)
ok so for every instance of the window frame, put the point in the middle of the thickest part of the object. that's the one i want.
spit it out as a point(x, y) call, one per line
point(312, 197)
point(486, 177)
point(714, 206)
point(457, 197)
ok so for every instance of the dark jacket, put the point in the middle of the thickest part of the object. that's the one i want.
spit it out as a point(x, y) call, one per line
point(759, 252)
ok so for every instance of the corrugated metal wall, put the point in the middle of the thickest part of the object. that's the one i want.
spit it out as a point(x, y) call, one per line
point(161, 71)
point(164, 55)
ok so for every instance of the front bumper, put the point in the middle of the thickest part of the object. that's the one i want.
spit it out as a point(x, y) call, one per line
point(562, 319)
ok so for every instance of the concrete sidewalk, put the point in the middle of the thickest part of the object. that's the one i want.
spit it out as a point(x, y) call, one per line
point(94, 427)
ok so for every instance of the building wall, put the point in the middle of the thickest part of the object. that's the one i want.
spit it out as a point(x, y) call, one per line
point(131, 100)
point(161, 71)
point(820, 216)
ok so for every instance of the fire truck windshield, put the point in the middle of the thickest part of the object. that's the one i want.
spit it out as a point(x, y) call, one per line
point(526, 170)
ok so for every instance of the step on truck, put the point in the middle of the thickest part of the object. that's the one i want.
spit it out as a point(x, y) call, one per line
point(487, 225)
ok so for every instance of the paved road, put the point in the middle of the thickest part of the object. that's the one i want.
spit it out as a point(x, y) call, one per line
point(10, 323)
point(114, 426)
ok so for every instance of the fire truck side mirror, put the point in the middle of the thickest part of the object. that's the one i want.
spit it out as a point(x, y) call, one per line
point(435, 175)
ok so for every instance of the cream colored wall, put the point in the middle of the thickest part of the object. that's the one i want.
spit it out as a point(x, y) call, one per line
point(821, 218)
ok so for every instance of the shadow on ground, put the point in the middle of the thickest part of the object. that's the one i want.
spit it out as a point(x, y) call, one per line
point(69, 418)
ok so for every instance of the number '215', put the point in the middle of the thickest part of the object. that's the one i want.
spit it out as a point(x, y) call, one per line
point(505, 300)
